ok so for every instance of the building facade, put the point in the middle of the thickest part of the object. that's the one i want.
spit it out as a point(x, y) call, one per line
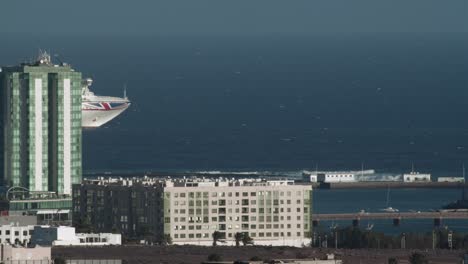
point(40, 127)
point(191, 210)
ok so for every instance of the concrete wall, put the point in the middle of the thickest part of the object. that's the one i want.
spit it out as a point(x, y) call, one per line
point(17, 254)
point(20, 220)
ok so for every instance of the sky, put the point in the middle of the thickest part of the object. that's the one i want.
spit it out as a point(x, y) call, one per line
point(234, 17)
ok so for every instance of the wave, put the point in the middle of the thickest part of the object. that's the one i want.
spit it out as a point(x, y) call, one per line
point(264, 173)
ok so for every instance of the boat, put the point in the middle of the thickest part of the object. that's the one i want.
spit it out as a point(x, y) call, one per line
point(389, 209)
point(98, 110)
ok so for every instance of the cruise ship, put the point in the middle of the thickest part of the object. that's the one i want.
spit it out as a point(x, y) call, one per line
point(97, 110)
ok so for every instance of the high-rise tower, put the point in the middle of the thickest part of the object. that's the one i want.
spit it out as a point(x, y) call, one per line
point(40, 126)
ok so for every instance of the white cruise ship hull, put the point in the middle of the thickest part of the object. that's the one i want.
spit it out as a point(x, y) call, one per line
point(97, 110)
point(96, 118)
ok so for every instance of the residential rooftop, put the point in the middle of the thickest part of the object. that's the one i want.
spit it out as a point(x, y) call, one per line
point(186, 182)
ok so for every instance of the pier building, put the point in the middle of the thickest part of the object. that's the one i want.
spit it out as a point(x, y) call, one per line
point(416, 177)
point(191, 210)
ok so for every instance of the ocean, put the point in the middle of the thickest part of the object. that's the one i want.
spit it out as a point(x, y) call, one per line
point(277, 104)
point(272, 103)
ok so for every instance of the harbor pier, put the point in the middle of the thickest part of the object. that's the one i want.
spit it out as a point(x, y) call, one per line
point(396, 217)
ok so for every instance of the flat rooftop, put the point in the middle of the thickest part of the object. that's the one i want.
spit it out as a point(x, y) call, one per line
point(186, 182)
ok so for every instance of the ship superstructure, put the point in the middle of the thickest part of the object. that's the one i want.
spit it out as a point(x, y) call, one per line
point(98, 110)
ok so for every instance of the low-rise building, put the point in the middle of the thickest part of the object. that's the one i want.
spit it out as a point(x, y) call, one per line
point(416, 177)
point(336, 177)
point(48, 207)
point(66, 236)
point(189, 211)
point(328, 176)
point(14, 234)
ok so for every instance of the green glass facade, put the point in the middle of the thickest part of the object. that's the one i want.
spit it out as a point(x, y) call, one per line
point(40, 127)
point(25, 205)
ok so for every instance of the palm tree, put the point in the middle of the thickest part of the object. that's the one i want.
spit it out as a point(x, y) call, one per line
point(246, 239)
point(216, 237)
point(238, 237)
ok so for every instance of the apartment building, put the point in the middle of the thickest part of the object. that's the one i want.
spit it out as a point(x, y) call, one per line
point(271, 212)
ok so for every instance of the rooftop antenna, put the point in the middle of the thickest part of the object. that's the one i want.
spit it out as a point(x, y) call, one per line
point(362, 169)
point(464, 181)
point(57, 56)
point(463, 170)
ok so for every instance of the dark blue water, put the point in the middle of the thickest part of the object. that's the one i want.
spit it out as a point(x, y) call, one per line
point(273, 103)
point(374, 200)
point(279, 104)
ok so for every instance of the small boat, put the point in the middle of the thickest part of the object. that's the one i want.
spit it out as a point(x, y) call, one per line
point(389, 209)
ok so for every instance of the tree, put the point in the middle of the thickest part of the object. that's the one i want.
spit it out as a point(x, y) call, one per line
point(392, 260)
point(84, 226)
point(216, 237)
point(255, 258)
point(238, 237)
point(246, 239)
point(418, 258)
point(167, 240)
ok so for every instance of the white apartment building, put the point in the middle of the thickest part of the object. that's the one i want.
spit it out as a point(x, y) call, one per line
point(270, 212)
point(15, 234)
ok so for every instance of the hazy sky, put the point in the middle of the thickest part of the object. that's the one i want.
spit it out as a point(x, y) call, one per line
point(215, 17)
